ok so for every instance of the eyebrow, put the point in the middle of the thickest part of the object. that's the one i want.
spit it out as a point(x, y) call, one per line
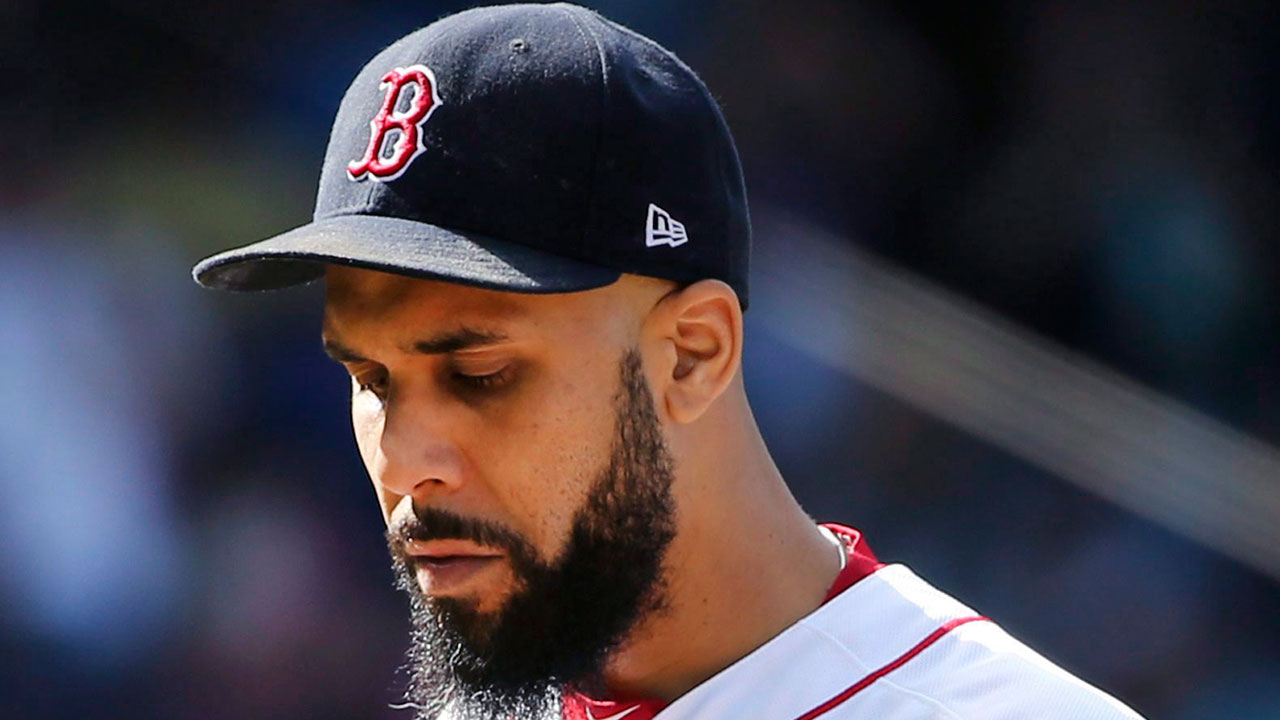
point(439, 344)
point(456, 340)
point(341, 353)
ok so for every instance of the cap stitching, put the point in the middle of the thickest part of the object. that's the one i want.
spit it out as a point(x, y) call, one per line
point(604, 100)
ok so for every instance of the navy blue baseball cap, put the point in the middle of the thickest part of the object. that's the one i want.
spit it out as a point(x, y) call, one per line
point(525, 148)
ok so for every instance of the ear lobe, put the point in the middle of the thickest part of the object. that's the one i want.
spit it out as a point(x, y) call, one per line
point(705, 330)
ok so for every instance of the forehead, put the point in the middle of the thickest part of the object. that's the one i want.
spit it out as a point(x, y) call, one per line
point(357, 295)
point(376, 304)
point(364, 308)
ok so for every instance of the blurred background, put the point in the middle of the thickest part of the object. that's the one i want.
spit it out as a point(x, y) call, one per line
point(1074, 200)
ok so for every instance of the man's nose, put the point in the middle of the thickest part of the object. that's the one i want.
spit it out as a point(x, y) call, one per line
point(419, 449)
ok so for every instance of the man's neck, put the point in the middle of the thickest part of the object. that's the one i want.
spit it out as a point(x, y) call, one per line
point(746, 564)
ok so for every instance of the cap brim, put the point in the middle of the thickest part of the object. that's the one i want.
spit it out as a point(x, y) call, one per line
point(403, 247)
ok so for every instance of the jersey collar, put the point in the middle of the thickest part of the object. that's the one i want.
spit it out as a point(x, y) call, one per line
point(861, 563)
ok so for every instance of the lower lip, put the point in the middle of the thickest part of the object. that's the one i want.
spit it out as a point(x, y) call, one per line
point(446, 575)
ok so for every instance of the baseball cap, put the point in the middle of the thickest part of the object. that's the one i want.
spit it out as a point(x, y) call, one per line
point(526, 148)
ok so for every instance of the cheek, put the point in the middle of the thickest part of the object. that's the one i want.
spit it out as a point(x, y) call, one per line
point(556, 453)
point(366, 421)
point(367, 424)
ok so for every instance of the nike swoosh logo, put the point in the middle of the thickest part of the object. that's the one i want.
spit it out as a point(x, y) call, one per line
point(615, 716)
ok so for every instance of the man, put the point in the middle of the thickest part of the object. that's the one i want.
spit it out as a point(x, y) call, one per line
point(533, 232)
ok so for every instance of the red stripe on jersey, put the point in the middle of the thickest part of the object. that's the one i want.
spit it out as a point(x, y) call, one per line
point(862, 684)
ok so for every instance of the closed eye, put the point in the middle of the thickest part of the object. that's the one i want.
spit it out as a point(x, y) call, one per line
point(374, 381)
point(485, 381)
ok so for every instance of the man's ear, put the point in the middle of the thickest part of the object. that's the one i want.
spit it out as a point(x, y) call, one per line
point(700, 328)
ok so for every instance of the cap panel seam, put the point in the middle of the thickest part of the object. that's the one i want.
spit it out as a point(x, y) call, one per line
point(590, 223)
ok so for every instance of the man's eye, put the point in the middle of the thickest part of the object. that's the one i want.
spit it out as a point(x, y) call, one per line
point(371, 382)
point(481, 382)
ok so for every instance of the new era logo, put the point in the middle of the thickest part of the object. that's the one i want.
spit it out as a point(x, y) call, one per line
point(662, 229)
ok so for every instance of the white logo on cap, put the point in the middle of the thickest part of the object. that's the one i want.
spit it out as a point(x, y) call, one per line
point(662, 229)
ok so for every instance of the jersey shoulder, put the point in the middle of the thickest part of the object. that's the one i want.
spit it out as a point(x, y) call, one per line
point(933, 657)
point(893, 647)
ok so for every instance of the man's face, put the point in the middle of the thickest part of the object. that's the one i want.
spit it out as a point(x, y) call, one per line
point(520, 466)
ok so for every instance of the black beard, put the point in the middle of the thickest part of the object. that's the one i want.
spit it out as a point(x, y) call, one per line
point(564, 618)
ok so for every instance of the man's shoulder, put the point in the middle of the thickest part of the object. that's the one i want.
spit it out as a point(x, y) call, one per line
point(916, 641)
point(893, 647)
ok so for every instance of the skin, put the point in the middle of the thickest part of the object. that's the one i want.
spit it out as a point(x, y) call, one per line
point(521, 447)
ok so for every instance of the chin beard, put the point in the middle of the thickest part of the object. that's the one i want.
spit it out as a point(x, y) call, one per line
point(562, 620)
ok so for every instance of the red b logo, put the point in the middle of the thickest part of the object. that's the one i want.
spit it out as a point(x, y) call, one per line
point(395, 137)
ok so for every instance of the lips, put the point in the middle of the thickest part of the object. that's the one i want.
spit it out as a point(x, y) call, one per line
point(446, 567)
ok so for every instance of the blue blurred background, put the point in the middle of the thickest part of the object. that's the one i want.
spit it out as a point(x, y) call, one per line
point(186, 529)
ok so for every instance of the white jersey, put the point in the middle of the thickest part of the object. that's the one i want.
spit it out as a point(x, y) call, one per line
point(888, 647)
point(892, 647)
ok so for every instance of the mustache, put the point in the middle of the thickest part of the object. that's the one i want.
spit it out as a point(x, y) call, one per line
point(435, 524)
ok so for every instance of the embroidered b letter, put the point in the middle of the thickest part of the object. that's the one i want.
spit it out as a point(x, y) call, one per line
point(395, 135)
